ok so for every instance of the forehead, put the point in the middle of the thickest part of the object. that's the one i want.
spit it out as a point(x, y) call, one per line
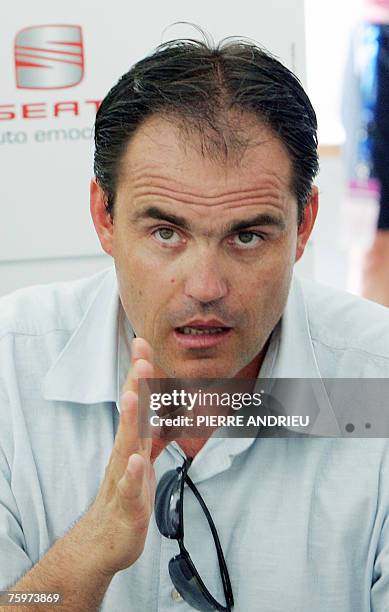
point(162, 157)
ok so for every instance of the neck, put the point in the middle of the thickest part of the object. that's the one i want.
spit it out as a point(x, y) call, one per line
point(191, 446)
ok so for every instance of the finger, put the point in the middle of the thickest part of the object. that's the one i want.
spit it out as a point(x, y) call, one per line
point(132, 488)
point(141, 349)
point(126, 439)
point(141, 369)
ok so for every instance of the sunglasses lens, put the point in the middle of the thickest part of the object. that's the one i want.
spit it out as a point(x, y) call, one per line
point(166, 507)
point(186, 583)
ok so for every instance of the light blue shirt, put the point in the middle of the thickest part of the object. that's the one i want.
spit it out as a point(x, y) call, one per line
point(303, 522)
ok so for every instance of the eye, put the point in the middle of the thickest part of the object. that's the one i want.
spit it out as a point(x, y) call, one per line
point(166, 235)
point(247, 239)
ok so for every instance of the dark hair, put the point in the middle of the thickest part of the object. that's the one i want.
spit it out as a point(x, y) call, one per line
point(197, 84)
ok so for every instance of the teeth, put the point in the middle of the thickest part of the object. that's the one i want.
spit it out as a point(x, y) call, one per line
point(194, 331)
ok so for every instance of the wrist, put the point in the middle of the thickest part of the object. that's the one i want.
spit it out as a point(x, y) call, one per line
point(88, 546)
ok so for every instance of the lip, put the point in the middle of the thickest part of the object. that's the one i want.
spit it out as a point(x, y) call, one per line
point(202, 342)
point(203, 323)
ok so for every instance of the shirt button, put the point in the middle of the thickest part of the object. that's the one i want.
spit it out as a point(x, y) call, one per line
point(176, 595)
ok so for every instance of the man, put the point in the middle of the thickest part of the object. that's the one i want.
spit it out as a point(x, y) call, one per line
point(203, 195)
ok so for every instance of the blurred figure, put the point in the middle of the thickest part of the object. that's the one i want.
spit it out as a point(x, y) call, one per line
point(366, 121)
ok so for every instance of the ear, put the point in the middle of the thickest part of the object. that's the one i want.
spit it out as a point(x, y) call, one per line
point(306, 225)
point(101, 219)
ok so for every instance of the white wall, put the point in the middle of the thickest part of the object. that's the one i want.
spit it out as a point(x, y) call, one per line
point(21, 273)
point(331, 249)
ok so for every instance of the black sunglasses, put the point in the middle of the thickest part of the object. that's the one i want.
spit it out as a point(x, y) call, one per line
point(169, 504)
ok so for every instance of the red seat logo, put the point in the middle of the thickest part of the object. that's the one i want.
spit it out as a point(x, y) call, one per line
point(49, 57)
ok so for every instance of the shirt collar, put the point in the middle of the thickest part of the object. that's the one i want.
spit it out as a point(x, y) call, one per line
point(85, 371)
point(296, 359)
point(93, 365)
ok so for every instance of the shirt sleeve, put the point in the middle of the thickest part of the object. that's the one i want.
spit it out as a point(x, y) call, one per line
point(14, 562)
point(380, 586)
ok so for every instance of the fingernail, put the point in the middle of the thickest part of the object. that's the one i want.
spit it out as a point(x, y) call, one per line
point(135, 352)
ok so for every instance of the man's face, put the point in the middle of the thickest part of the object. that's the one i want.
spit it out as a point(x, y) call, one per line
point(181, 259)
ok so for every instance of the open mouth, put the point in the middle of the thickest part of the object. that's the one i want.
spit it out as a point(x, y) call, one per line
point(201, 337)
point(201, 331)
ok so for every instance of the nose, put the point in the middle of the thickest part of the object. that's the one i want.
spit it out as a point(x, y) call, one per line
point(205, 280)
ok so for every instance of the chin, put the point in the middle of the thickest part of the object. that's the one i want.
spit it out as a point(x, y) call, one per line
point(205, 371)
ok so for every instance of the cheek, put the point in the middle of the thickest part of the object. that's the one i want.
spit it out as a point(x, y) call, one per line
point(134, 268)
point(146, 289)
point(148, 278)
point(264, 288)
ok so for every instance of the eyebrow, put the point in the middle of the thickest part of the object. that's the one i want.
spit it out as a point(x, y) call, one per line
point(154, 212)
